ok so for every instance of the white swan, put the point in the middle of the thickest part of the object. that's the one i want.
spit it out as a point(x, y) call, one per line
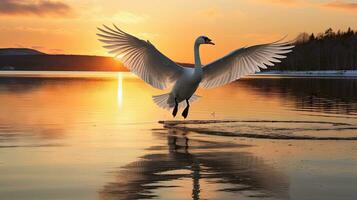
point(143, 59)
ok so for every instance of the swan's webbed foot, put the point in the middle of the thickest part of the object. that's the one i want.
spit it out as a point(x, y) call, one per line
point(185, 112)
point(174, 112)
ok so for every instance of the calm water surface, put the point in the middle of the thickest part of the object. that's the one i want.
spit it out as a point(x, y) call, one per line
point(96, 136)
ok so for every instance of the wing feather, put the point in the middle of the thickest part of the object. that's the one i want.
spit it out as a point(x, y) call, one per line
point(141, 57)
point(242, 62)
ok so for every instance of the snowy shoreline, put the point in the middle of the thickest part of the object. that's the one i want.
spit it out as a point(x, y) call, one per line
point(325, 73)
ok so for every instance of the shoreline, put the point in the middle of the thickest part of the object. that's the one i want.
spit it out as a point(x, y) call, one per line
point(310, 73)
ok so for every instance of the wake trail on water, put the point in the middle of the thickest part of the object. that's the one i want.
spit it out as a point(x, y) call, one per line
point(268, 129)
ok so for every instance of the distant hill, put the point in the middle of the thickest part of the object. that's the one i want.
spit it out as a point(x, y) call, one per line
point(33, 60)
point(45, 62)
point(20, 51)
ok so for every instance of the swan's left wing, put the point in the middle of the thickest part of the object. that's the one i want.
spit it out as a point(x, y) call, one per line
point(141, 57)
point(242, 62)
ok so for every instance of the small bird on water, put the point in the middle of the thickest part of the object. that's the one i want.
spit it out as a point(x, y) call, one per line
point(144, 60)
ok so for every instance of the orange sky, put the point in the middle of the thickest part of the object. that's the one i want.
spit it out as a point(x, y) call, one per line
point(69, 26)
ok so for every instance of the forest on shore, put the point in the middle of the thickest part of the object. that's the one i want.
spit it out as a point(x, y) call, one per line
point(325, 51)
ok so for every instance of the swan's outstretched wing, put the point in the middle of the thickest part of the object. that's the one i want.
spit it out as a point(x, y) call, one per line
point(242, 62)
point(141, 57)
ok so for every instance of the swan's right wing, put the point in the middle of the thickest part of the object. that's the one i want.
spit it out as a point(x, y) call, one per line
point(141, 57)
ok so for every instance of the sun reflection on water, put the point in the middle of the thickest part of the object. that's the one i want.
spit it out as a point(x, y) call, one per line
point(120, 90)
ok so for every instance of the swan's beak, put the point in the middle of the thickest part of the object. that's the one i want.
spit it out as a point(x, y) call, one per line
point(210, 42)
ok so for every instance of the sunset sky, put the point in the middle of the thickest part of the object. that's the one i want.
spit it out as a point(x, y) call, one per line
point(69, 27)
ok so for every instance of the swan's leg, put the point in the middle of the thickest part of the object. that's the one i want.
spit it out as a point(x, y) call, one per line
point(185, 112)
point(174, 112)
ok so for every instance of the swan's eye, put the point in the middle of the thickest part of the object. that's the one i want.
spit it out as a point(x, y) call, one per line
point(206, 39)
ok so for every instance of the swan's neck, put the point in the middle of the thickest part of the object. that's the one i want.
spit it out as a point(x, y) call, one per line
point(197, 55)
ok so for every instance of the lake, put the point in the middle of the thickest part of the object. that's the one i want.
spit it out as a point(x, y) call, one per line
point(81, 135)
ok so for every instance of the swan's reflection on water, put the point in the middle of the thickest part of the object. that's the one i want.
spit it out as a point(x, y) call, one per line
point(196, 169)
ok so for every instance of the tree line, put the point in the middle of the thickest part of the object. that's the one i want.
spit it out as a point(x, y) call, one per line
point(326, 51)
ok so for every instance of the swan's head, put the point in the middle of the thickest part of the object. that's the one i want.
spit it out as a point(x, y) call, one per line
point(204, 40)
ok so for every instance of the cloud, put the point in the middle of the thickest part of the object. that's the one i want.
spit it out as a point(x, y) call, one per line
point(282, 2)
point(289, 2)
point(56, 51)
point(37, 47)
point(130, 18)
point(210, 13)
point(214, 13)
point(34, 7)
point(341, 5)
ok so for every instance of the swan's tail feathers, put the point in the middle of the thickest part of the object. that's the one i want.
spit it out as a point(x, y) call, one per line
point(164, 101)
point(194, 98)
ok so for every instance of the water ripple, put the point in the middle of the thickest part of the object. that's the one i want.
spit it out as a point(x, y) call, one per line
point(266, 129)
